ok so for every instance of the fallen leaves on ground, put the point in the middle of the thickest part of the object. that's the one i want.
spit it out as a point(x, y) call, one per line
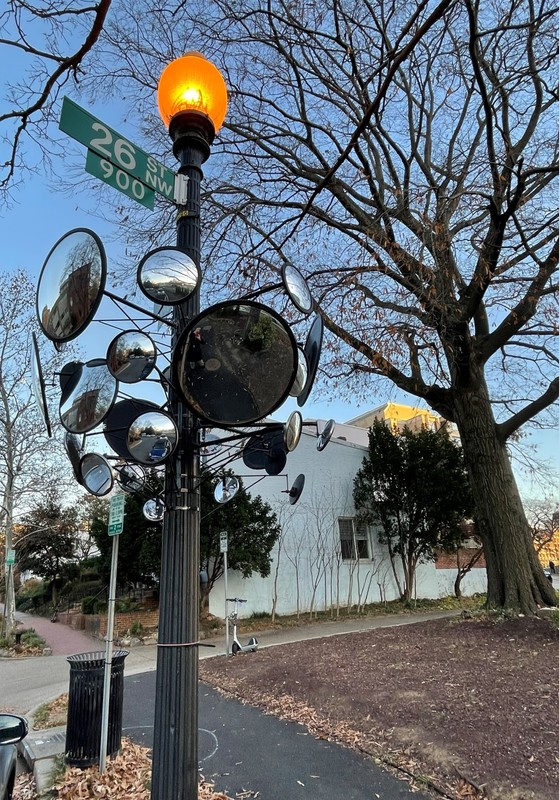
point(127, 777)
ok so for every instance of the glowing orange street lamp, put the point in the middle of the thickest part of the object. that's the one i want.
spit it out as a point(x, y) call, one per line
point(192, 100)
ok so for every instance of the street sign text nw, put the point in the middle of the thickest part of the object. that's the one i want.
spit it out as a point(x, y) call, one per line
point(110, 145)
point(118, 179)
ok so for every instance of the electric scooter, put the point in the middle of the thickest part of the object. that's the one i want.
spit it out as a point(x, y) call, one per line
point(236, 646)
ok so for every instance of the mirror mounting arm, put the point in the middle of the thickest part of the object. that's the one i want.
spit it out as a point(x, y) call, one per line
point(116, 299)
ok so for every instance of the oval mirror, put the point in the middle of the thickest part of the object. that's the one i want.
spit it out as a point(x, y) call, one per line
point(226, 489)
point(235, 363)
point(117, 422)
point(38, 383)
point(292, 431)
point(154, 510)
point(297, 289)
point(325, 436)
point(302, 372)
point(296, 489)
point(130, 477)
point(131, 356)
point(90, 399)
point(96, 474)
point(256, 449)
point(71, 285)
point(152, 437)
point(168, 275)
point(312, 350)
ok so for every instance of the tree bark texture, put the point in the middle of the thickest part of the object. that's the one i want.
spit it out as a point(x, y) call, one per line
point(515, 578)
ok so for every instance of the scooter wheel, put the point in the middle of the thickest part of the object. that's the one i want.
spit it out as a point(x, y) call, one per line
point(235, 648)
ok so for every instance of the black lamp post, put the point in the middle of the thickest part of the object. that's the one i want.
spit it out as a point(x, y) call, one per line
point(192, 100)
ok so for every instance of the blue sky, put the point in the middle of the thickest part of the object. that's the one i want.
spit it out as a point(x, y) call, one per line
point(39, 215)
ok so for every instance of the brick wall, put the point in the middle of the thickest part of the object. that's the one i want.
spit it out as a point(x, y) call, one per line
point(96, 624)
point(448, 560)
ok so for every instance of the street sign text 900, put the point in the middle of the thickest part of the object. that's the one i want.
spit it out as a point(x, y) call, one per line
point(122, 179)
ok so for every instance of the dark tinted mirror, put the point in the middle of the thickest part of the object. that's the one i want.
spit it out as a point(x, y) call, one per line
point(38, 383)
point(74, 449)
point(96, 474)
point(296, 489)
point(152, 437)
point(297, 289)
point(168, 275)
point(131, 356)
point(312, 350)
point(235, 363)
point(91, 397)
point(71, 285)
point(257, 448)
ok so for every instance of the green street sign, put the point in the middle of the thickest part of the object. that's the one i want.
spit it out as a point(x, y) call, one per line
point(10, 558)
point(116, 515)
point(118, 179)
point(111, 146)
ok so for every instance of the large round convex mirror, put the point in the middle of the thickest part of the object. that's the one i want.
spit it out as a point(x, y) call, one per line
point(226, 489)
point(297, 289)
point(312, 350)
point(235, 363)
point(131, 356)
point(38, 383)
point(152, 437)
point(91, 398)
point(96, 474)
point(71, 285)
point(168, 275)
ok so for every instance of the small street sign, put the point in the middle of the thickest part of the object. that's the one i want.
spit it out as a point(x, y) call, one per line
point(116, 515)
point(111, 146)
point(118, 179)
point(223, 542)
point(10, 558)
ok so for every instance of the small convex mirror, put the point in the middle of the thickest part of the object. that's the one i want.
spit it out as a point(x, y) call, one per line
point(38, 383)
point(154, 509)
point(152, 437)
point(96, 474)
point(297, 289)
point(88, 398)
point(168, 275)
point(301, 377)
point(226, 489)
point(292, 431)
point(71, 285)
point(297, 489)
point(325, 436)
point(131, 356)
point(312, 350)
point(130, 477)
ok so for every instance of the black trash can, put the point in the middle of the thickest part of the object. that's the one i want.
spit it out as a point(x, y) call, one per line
point(85, 707)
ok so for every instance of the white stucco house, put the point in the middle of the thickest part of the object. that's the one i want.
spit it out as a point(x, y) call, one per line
point(325, 558)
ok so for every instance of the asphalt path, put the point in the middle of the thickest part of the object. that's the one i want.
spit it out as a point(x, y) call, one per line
point(243, 750)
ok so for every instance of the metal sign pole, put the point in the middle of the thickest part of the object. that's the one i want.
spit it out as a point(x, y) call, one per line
point(223, 548)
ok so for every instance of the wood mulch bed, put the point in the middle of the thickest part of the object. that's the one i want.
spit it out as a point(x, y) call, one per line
point(465, 707)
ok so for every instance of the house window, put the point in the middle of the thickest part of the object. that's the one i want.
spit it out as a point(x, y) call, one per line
point(354, 539)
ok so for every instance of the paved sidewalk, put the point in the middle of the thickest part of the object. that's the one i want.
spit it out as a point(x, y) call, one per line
point(28, 682)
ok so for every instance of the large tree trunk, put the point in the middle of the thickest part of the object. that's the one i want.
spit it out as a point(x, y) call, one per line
point(515, 579)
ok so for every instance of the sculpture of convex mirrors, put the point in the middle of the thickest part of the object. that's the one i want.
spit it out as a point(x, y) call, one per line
point(233, 365)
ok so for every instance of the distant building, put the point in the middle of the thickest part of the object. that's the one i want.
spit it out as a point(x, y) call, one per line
point(400, 416)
